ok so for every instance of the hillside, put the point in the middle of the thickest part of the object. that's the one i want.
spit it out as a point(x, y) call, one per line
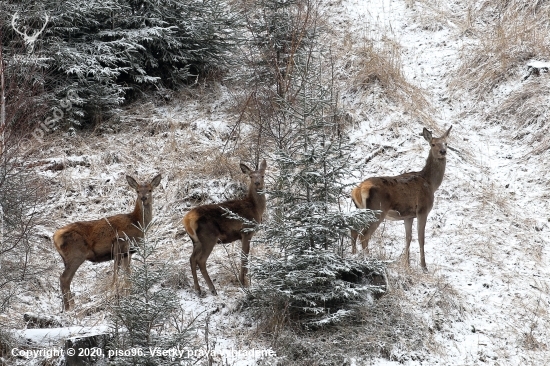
point(486, 295)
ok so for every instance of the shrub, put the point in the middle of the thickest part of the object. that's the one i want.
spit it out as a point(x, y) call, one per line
point(106, 51)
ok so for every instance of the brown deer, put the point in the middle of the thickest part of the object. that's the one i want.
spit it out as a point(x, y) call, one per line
point(209, 224)
point(404, 197)
point(104, 239)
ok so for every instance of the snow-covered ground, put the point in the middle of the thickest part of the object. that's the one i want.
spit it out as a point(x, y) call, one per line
point(487, 236)
point(488, 233)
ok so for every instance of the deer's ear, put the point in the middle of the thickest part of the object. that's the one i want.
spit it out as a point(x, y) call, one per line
point(447, 133)
point(132, 182)
point(427, 134)
point(245, 169)
point(156, 180)
point(263, 165)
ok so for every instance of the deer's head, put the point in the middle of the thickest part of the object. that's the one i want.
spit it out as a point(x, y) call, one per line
point(144, 191)
point(256, 176)
point(438, 145)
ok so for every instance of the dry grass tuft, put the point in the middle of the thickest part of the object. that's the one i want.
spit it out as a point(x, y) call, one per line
point(530, 327)
point(508, 35)
point(379, 71)
point(177, 279)
point(493, 197)
point(397, 327)
point(528, 111)
point(434, 15)
point(498, 58)
point(516, 35)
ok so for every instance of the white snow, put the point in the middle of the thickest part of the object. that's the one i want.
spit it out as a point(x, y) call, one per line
point(49, 336)
point(488, 232)
point(538, 64)
point(487, 235)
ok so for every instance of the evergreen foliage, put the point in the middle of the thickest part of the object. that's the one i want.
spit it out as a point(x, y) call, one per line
point(141, 317)
point(105, 51)
point(22, 192)
point(314, 287)
point(311, 280)
point(279, 29)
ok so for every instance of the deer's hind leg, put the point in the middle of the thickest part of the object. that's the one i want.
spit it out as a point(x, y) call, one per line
point(65, 281)
point(201, 262)
point(367, 233)
point(197, 247)
point(73, 255)
point(373, 202)
point(201, 252)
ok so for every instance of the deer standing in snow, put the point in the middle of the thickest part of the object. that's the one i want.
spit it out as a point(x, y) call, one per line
point(104, 239)
point(404, 197)
point(209, 224)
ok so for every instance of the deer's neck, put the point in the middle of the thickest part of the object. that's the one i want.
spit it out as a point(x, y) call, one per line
point(434, 170)
point(143, 213)
point(258, 200)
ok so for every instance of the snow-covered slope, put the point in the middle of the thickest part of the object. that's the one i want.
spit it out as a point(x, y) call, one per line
point(487, 235)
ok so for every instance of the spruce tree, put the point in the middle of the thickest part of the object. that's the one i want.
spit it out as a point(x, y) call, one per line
point(106, 51)
point(141, 316)
point(312, 279)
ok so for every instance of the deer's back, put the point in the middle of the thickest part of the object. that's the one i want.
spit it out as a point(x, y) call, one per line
point(96, 237)
point(215, 212)
point(212, 218)
point(402, 196)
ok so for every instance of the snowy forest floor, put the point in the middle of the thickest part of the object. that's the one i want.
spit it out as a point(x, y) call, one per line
point(486, 296)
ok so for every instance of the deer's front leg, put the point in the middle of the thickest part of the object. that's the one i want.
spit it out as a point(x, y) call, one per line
point(408, 239)
point(421, 226)
point(244, 257)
